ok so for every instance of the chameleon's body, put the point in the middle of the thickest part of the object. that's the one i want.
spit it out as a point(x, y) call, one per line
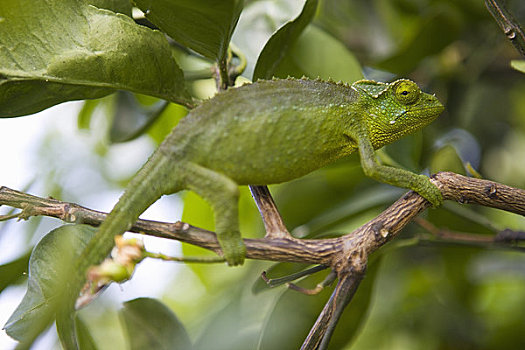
point(270, 132)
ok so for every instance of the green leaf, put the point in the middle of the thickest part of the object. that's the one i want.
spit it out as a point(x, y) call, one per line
point(436, 30)
point(518, 65)
point(13, 271)
point(282, 41)
point(82, 53)
point(337, 215)
point(166, 122)
point(151, 325)
point(132, 118)
point(49, 268)
point(85, 339)
point(205, 26)
point(198, 212)
point(85, 114)
point(310, 54)
point(227, 324)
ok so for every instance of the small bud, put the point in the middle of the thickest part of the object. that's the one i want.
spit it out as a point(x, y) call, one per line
point(119, 268)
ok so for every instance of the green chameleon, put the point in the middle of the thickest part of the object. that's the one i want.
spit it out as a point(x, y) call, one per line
point(265, 133)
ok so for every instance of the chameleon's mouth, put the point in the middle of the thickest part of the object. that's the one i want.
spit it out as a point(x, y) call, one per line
point(431, 112)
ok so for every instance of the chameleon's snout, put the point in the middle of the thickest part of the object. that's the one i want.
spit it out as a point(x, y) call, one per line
point(430, 106)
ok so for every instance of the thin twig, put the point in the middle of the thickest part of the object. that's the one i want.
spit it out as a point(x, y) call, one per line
point(186, 259)
point(330, 278)
point(274, 282)
point(273, 222)
point(446, 234)
point(9, 216)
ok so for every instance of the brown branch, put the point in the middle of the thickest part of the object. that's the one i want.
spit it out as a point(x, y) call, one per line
point(487, 193)
point(346, 255)
point(349, 280)
point(273, 222)
point(387, 225)
point(508, 24)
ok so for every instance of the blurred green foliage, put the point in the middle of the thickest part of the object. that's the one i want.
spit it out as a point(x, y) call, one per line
point(423, 293)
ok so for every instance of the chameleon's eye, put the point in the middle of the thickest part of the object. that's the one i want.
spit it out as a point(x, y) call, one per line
point(407, 92)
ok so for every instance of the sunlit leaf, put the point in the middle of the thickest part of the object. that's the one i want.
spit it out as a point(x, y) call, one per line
point(85, 114)
point(518, 65)
point(120, 6)
point(282, 41)
point(132, 118)
point(85, 339)
point(49, 267)
point(166, 122)
point(320, 47)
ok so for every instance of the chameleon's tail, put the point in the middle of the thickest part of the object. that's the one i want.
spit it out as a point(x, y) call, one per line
point(152, 181)
point(155, 179)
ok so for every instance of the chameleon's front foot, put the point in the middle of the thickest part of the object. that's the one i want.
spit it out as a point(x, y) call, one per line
point(429, 191)
point(233, 247)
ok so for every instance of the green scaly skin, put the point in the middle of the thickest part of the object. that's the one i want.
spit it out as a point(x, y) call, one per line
point(265, 133)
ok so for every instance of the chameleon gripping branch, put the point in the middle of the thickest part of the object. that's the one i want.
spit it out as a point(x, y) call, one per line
point(453, 187)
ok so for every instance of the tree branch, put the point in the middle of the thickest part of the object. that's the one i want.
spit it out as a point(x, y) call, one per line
point(487, 193)
point(508, 24)
point(349, 280)
point(273, 222)
point(346, 255)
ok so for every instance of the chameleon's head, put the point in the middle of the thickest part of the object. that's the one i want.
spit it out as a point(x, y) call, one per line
point(396, 109)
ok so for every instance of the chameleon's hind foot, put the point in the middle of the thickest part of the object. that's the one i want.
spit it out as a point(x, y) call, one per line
point(430, 191)
point(233, 248)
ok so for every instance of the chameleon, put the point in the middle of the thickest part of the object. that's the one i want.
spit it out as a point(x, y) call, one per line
point(267, 132)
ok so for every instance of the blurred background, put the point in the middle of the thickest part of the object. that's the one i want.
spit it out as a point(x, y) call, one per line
point(420, 292)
